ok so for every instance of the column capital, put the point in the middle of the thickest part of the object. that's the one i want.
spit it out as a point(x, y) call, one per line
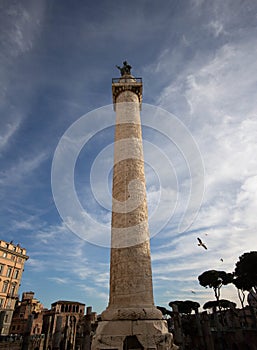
point(127, 83)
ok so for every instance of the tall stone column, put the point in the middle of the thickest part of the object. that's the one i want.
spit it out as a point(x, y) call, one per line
point(131, 320)
point(131, 292)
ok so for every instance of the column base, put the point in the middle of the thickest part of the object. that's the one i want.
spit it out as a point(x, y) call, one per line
point(137, 334)
point(131, 313)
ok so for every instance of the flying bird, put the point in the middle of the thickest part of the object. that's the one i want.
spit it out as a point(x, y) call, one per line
point(192, 291)
point(221, 260)
point(201, 243)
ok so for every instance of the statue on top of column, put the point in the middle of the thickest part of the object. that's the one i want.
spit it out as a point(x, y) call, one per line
point(125, 69)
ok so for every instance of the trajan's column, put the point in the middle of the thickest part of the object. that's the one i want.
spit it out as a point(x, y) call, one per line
point(131, 320)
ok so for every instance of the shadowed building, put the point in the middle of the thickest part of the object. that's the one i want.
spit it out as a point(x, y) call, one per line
point(131, 319)
point(60, 324)
point(28, 311)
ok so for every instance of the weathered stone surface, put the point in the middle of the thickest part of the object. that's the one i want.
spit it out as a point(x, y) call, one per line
point(130, 275)
point(131, 311)
point(150, 334)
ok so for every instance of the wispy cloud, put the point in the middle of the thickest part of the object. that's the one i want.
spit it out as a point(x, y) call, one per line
point(205, 74)
point(22, 169)
point(91, 291)
point(21, 26)
point(217, 28)
point(10, 130)
point(59, 280)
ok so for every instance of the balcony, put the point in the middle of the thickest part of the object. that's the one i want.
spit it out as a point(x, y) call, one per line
point(129, 79)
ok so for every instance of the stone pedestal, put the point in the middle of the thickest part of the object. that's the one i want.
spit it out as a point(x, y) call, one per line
point(137, 334)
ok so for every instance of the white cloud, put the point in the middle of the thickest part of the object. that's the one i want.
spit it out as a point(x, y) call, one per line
point(217, 28)
point(68, 253)
point(36, 264)
point(246, 204)
point(9, 131)
point(221, 113)
point(197, 3)
point(91, 291)
point(21, 27)
point(22, 169)
point(21, 225)
point(59, 280)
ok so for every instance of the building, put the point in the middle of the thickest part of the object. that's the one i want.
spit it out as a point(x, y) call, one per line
point(228, 329)
point(86, 329)
point(64, 326)
point(27, 316)
point(60, 324)
point(12, 260)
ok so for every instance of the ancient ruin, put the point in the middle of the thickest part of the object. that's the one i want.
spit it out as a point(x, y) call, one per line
point(131, 320)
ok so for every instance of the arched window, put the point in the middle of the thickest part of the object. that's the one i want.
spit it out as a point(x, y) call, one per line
point(9, 271)
point(5, 286)
point(13, 287)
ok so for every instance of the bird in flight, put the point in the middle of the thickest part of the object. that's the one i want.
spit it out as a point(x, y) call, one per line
point(192, 291)
point(201, 243)
point(221, 260)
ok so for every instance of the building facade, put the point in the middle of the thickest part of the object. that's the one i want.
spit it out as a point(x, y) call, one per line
point(27, 316)
point(12, 260)
point(230, 329)
point(60, 324)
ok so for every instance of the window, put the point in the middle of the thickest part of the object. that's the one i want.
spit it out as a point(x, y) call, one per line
point(13, 286)
point(1, 302)
point(6, 318)
point(5, 286)
point(4, 254)
point(1, 269)
point(16, 274)
point(9, 271)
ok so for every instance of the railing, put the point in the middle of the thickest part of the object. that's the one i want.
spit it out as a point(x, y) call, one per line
point(118, 80)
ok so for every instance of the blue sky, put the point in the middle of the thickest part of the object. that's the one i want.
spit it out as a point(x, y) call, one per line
point(198, 62)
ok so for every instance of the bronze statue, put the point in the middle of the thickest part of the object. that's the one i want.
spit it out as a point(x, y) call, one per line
point(125, 69)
